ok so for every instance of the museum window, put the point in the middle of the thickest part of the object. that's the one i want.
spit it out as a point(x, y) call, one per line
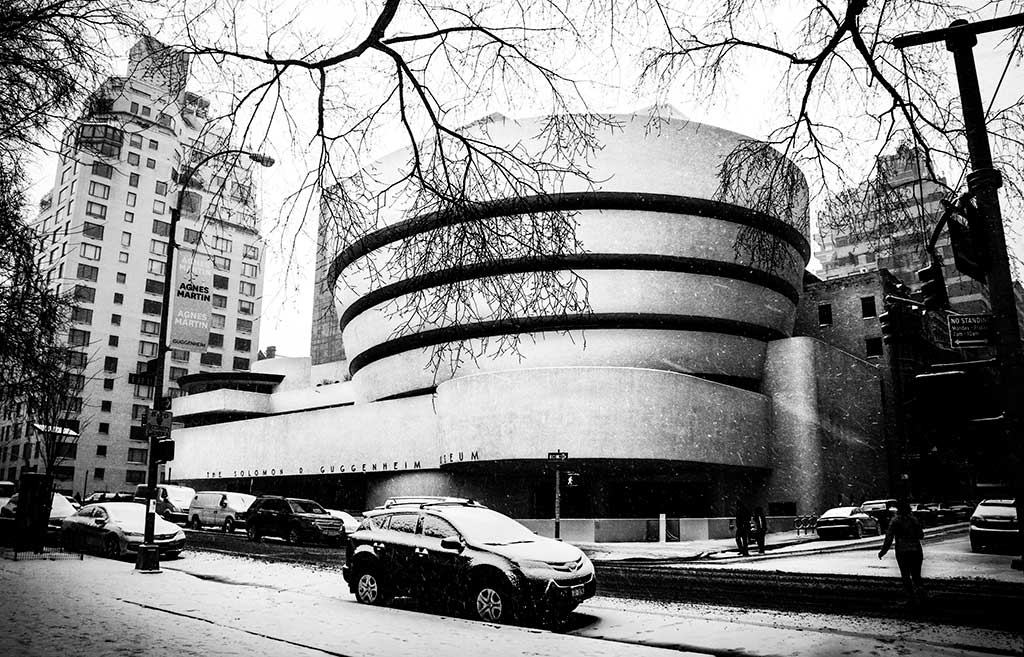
point(867, 307)
point(824, 314)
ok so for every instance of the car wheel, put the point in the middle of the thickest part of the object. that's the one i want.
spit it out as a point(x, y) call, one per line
point(252, 533)
point(112, 547)
point(492, 602)
point(370, 589)
point(229, 526)
point(195, 523)
point(294, 537)
point(858, 531)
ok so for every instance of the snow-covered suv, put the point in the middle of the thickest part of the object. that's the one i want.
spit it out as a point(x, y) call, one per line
point(482, 561)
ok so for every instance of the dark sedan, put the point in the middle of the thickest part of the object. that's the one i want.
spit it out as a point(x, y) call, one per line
point(846, 521)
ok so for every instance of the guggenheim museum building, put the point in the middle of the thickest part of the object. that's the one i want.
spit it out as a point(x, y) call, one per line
point(676, 388)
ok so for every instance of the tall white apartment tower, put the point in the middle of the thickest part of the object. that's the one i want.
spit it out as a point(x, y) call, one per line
point(107, 219)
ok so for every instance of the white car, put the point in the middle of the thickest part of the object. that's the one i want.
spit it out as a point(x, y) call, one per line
point(116, 528)
point(350, 522)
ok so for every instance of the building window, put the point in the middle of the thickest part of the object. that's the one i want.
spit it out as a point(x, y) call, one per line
point(133, 159)
point(246, 289)
point(104, 428)
point(161, 188)
point(104, 139)
point(150, 307)
point(118, 300)
point(209, 358)
point(180, 355)
point(135, 141)
point(216, 340)
point(220, 282)
point(191, 236)
point(86, 294)
point(156, 267)
point(156, 247)
point(867, 307)
point(240, 363)
point(250, 270)
point(97, 210)
point(159, 207)
point(150, 328)
point(90, 251)
point(161, 228)
point(105, 405)
point(115, 319)
point(221, 244)
point(110, 364)
point(102, 170)
point(243, 344)
point(243, 325)
point(130, 202)
point(122, 277)
point(251, 252)
point(133, 180)
point(245, 307)
point(78, 338)
point(139, 411)
point(148, 349)
point(113, 341)
point(216, 321)
point(92, 231)
point(100, 473)
point(122, 257)
point(150, 163)
point(99, 190)
point(824, 314)
point(221, 263)
point(144, 392)
point(129, 217)
point(153, 144)
point(146, 111)
point(135, 476)
point(126, 239)
point(177, 373)
point(873, 347)
point(220, 301)
point(108, 384)
point(81, 315)
point(88, 272)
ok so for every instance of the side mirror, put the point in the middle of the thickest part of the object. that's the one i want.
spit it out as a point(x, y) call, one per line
point(452, 543)
point(223, 504)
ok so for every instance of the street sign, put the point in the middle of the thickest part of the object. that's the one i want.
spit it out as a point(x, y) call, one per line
point(156, 431)
point(966, 331)
point(159, 419)
point(558, 456)
point(572, 479)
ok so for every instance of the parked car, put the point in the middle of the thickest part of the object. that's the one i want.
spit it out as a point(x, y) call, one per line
point(219, 509)
point(468, 555)
point(348, 521)
point(881, 510)
point(293, 519)
point(954, 511)
point(925, 514)
point(107, 496)
point(117, 528)
point(75, 503)
point(171, 501)
point(846, 521)
point(60, 508)
point(994, 524)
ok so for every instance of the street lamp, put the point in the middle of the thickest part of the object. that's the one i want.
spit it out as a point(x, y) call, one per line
point(148, 559)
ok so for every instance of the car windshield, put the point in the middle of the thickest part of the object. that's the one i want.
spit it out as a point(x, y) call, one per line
point(488, 527)
point(305, 506)
point(61, 506)
point(126, 513)
point(873, 506)
point(840, 512)
point(240, 501)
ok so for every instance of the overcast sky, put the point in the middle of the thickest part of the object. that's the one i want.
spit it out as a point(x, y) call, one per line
point(288, 284)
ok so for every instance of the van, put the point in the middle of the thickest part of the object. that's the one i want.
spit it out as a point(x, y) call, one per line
point(172, 502)
point(219, 509)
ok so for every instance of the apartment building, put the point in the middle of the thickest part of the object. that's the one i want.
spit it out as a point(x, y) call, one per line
point(910, 192)
point(107, 222)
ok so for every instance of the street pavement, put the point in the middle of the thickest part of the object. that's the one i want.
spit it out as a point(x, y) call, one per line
point(217, 604)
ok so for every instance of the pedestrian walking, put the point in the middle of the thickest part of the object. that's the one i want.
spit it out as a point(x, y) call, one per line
point(907, 533)
point(742, 528)
point(760, 528)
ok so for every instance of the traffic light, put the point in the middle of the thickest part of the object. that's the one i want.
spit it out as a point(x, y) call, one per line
point(163, 451)
point(933, 286)
point(967, 237)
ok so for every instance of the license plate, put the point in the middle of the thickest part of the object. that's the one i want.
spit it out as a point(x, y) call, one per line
point(576, 592)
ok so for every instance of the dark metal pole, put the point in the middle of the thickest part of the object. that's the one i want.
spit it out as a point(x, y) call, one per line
point(983, 183)
point(558, 502)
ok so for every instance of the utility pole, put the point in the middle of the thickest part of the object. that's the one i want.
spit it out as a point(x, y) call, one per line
point(983, 183)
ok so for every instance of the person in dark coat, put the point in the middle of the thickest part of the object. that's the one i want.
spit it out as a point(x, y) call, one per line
point(907, 533)
point(760, 528)
point(742, 528)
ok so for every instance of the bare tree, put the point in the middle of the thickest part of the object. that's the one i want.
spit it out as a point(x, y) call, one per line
point(846, 96)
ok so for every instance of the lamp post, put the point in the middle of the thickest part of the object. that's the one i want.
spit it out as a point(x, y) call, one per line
point(148, 559)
